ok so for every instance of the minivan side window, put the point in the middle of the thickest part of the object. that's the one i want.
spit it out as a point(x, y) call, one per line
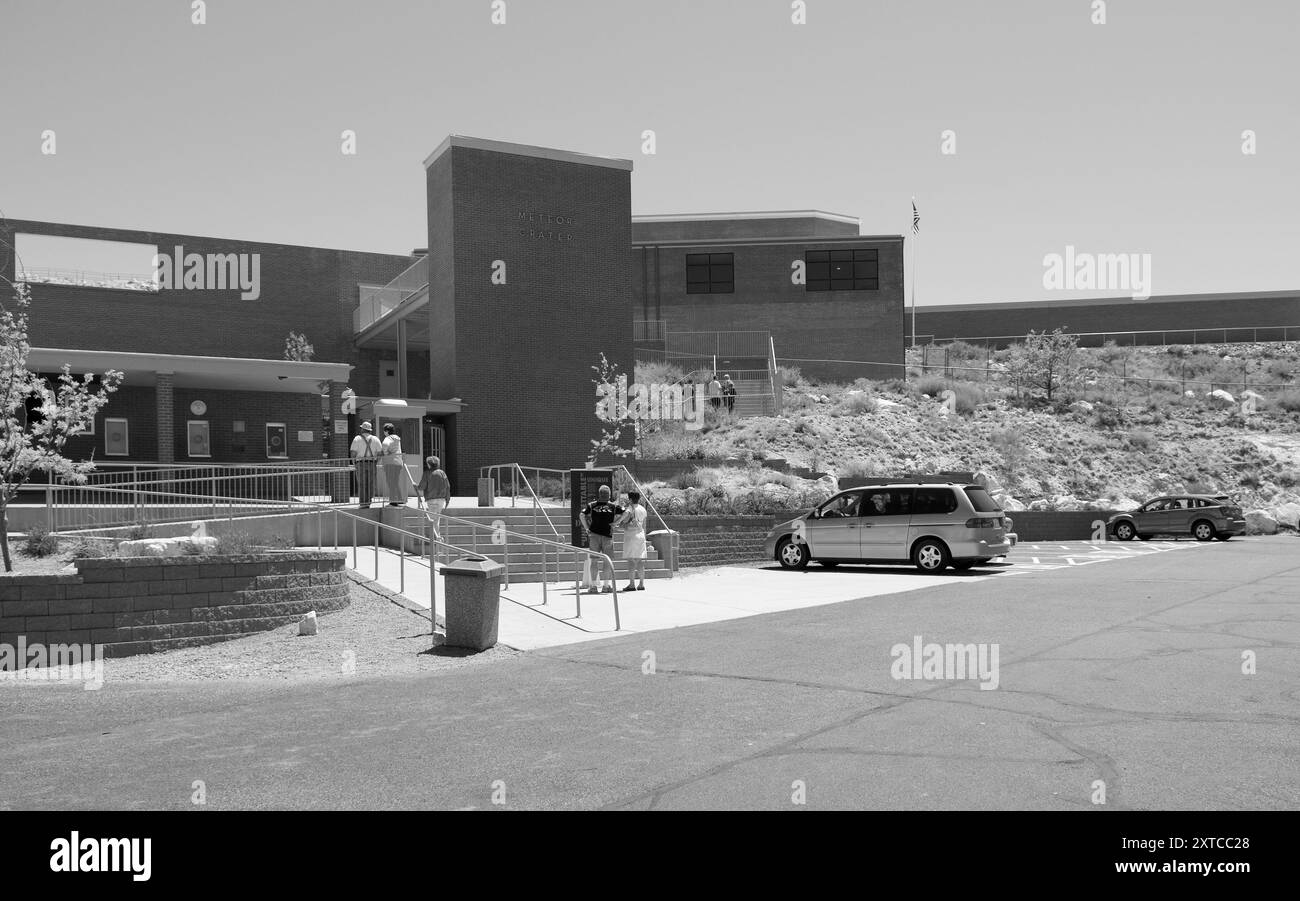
point(887, 502)
point(934, 500)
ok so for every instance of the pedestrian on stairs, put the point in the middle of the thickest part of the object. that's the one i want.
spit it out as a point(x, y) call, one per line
point(729, 393)
point(634, 551)
point(436, 490)
point(365, 451)
point(395, 475)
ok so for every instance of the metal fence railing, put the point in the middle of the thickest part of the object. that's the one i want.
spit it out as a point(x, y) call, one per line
point(377, 302)
point(1222, 335)
point(85, 278)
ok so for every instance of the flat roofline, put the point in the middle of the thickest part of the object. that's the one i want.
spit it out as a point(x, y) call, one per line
point(53, 358)
point(545, 153)
point(1107, 301)
point(758, 214)
point(786, 239)
point(103, 232)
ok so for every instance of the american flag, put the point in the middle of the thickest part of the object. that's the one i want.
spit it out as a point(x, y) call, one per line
point(916, 219)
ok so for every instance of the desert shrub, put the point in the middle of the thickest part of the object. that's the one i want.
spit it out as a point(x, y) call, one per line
point(1141, 440)
point(549, 487)
point(969, 396)
point(1010, 444)
point(1287, 400)
point(689, 479)
point(40, 543)
point(1250, 480)
point(657, 373)
point(234, 542)
point(1288, 478)
point(790, 375)
point(860, 469)
point(857, 404)
point(138, 532)
point(279, 542)
point(1281, 370)
point(87, 549)
point(929, 384)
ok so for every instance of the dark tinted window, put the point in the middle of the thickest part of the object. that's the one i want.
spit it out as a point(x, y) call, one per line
point(842, 270)
point(981, 501)
point(886, 502)
point(935, 500)
point(710, 273)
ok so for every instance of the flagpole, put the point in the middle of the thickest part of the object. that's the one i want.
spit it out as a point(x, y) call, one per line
point(916, 234)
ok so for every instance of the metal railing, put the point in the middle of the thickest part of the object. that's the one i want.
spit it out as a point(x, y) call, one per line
point(231, 509)
point(498, 472)
point(649, 329)
point(1242, 334)
point(377, 302)
point(720, 344)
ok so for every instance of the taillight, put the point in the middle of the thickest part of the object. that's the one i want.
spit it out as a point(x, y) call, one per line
point(979, 522)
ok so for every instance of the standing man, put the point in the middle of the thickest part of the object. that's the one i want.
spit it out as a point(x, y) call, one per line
point(365, 454)
point(729, 392)
point(598, 519)
point(437, 492)
point(715, 392)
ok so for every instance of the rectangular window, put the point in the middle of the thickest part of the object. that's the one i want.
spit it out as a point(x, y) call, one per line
point(199, 443)
point(842, 270)
point(88, 430)
point(277, 444)
point(710, 273)
point(934, 501)
point(116, 438)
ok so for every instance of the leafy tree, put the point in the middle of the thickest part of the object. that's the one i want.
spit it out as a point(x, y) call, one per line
point(611, 385)
point(1046, 361)
point(297, 349)
point(63, 409)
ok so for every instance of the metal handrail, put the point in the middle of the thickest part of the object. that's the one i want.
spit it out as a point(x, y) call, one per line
point(321, 509)
point(641, 491)
point(1195, 331)
point(516, 469)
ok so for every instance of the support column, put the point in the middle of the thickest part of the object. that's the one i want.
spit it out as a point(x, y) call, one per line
point(340, 483)
point(402, 387)
point(165, 420)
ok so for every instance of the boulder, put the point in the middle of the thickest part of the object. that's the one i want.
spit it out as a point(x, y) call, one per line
point(1259, 522)
point(1081, 406)
point(307, 625)
point(1008, 503)
point(1189, 393)
point(1287, 515)
point(167, 547)
point(1220, 395)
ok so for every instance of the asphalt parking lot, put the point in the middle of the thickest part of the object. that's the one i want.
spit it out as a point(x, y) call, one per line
point(1163, 677)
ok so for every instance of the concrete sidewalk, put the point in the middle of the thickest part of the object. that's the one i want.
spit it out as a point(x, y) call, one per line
point(723, 593)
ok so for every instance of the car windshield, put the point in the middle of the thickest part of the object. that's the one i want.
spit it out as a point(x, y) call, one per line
point(982, 501)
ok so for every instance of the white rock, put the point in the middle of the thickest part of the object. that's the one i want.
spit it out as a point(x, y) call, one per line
point(888, 404)
point(1189, 393)
point(1081, 406)
point(1287, 514)
point(166, 547)
point(1258, 522)
point(1220, 394)
point(307, 625)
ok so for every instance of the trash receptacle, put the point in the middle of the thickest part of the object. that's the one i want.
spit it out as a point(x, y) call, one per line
point(665, 544)
point(472, 589)
point(486, 493)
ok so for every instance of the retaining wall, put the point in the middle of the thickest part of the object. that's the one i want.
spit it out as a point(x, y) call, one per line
point(137, 605)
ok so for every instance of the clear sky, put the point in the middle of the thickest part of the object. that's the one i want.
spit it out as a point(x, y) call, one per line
point(1117, 138)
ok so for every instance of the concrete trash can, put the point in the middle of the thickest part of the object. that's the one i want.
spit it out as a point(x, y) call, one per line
point(486, 493)
point(665, 545)
point(472, 588)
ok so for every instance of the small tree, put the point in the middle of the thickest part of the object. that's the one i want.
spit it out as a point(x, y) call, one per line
point(611, 386)
point(63, 410)
point(297, 349)
point(1045, 361)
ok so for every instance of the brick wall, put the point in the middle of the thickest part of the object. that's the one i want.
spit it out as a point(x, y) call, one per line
point(719, 540)
point(831, 325)
point(523, 350)
point(137, 605)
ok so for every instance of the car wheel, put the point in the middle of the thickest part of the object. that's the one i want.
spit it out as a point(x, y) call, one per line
point(1203, 530)
point(829, 564)
point(1125, 531)
point(931, 556)
point(792, 554)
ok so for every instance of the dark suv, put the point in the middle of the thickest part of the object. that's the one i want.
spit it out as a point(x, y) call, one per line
point(1203, 516)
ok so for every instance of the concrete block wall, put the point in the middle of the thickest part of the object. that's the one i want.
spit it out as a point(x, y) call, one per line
point(138, 605)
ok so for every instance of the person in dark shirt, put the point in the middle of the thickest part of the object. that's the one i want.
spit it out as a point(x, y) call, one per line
point(598, 519)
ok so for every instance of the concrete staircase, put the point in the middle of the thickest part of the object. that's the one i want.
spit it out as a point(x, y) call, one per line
point(753, 398)
point(526, 558)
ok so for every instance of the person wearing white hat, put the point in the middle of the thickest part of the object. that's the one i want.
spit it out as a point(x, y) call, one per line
point(365, 455)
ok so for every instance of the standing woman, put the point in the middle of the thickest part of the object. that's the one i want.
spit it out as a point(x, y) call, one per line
point(394, 466)
point(633, 523)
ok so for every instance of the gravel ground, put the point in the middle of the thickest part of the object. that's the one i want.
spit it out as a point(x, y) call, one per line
point(39, 566)
point(375, 637)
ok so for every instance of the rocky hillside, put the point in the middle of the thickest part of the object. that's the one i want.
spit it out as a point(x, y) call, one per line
point(1108, 444)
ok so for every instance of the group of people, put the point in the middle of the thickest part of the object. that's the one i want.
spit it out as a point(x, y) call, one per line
point(720, 394)
point(369, 453)
point(599, 519)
